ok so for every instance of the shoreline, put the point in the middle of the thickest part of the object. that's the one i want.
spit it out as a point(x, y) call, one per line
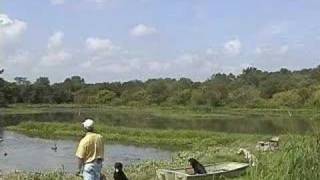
point(207, 146)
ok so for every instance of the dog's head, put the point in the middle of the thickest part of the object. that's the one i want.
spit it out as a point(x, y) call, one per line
point(118, 166)
point(193, 162)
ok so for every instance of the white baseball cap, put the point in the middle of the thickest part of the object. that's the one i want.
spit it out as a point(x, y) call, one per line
point(88, 123)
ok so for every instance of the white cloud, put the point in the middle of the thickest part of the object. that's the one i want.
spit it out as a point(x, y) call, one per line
point(272, 50)
point(154, 66)
point(262, 49)
point(57, 2)
point(186, 58)
point(103, 56)
point(233, 47)
point(86, 64)
point(142, 30)
point(55, 41)
point(56, 54)
point(277, 29)
point(274, 31)
point(284, 49)
point(20, 58)
point(100, 48)
point(10, 30)
point(210, 51)
point(20, 63)
point(100, 45)
point(98, 1)
point(115, 68)
point(54, 59)
point(213, 51)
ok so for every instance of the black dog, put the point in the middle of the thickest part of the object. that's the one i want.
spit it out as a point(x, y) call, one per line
point(197, 167)
point(118, 173)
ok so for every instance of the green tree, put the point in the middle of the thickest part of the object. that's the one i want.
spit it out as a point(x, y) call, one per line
point(246, 96)
point(41, 91)
point(315, 98)
point(252, 76)
point(181, 97)
point(198, 98)
point(105, 96)
point(74, 83)
point(158, 91)
point(22, 81)
point(135, 96)
point(287, 98)
point(3, 101)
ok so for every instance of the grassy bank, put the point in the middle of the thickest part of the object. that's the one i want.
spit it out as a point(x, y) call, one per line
point(206, 146)
point(183, 112)
point(298, 157)
point(174, 139)
point(262, 121)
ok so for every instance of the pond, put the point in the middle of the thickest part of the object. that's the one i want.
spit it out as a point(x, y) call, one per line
point(35, 154)
point(257, 123)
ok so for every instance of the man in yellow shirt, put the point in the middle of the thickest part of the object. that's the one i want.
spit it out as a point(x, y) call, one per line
point(90, 153)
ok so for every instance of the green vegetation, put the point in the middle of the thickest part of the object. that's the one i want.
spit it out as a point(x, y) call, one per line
point(174, 139)
point(177, 112)
point(58, 175)
point(260, 121)
point(252, 88)
point(256, 96)
point(298, 157)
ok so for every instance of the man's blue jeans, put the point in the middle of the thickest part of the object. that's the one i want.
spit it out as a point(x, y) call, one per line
point(92, 171)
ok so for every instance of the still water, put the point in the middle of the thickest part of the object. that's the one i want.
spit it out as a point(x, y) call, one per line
point(34, 154)
point(271, 123)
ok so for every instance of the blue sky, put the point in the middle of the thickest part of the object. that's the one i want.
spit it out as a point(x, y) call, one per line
point(119, 40)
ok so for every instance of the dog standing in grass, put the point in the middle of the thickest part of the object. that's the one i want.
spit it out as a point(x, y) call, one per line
point(248, 156)
point(118, 172)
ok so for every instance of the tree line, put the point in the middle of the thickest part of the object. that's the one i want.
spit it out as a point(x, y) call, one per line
point(253, 88)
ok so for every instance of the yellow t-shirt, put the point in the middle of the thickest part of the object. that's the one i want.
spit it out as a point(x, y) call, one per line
point(91, 147)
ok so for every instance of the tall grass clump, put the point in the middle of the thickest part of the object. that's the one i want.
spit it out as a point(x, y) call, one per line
point(299, 159)
point(54, 175)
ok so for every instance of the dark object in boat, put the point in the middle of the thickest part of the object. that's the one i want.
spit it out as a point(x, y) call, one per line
point(214, 171)
point(197, 167)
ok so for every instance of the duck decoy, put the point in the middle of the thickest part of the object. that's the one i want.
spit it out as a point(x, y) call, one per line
point(54, 148)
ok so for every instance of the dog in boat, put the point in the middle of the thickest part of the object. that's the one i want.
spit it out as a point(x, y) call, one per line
point(248, 156)
point(197, 167)
point(118, 172)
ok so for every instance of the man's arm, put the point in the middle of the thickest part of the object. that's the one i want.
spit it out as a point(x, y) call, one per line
point(80, 165)
point(80, 154)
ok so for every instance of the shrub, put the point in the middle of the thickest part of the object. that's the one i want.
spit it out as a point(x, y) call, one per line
point(287, 98)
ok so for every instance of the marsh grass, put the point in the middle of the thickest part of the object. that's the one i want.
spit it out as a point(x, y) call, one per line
point(172, 139)
point(55, 175)
point(298, 157)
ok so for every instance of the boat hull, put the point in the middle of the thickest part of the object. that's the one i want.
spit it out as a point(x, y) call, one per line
point(215, 171)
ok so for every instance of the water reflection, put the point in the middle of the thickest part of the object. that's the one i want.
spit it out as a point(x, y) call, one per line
point(237, 124)
point(34, 154)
